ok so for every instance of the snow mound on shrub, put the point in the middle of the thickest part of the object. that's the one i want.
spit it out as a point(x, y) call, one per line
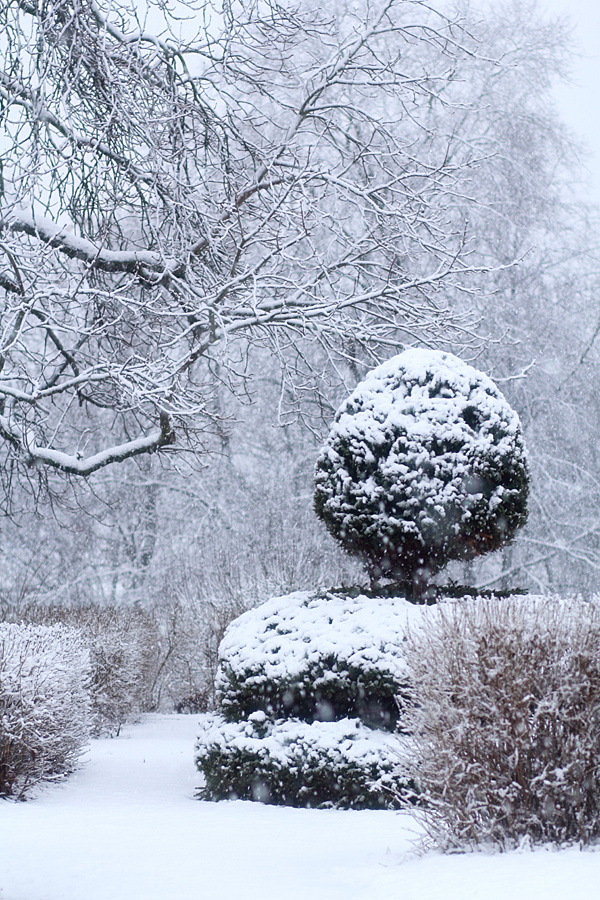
point(44, 704)
point(298, 764)
point(316, 657)
point(421, 390)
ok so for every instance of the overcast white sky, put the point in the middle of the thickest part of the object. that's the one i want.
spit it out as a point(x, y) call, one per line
point(580, 102)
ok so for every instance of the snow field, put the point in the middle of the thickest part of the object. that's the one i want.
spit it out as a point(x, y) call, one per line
point(126, 827)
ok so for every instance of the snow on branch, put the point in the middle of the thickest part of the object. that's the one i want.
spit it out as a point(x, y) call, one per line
point(74, 464)
point(10, 284)
point(80, 248)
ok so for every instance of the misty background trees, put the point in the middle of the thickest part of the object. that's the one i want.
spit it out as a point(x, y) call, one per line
point(212, 228)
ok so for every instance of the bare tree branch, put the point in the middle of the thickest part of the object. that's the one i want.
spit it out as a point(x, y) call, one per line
point(170, 205)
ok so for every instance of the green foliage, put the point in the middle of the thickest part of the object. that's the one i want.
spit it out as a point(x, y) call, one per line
point(316, 657)
point(328, 690)
point(424, 464)
point(308, 688)
point(292, 763)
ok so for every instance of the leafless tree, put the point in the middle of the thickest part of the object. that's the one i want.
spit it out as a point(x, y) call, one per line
point(168, 204)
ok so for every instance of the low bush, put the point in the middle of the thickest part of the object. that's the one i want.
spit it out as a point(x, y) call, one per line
point(44, 704)
point(293, 763)
point(308, 689)
point(123, 645)
point(316, 657)
point(506, 721)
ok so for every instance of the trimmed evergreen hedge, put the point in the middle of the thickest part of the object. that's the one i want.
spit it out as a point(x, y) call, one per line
point(316, 657)
point(293, 763)
point(308, 689)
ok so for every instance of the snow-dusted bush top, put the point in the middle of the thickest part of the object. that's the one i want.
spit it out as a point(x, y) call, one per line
point(44, 704)
point(283, 634)
point(424, 463)
point(302, 654)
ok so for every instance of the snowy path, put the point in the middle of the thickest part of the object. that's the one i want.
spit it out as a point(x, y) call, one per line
point(126, 827)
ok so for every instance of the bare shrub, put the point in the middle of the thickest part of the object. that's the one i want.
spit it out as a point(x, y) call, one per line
point(44, 704)
point(123, 646)
point(190, 634)
point(506, 721)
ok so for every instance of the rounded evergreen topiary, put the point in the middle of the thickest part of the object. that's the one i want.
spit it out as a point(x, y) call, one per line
point(310, 691)
point(317, 658)
point(424, 464)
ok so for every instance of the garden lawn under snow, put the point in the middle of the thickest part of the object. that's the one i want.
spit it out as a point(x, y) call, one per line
point(126, 827)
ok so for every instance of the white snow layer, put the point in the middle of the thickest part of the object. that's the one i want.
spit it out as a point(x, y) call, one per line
point(345, 742)
point(285, 636)
point(126, 827)
point(424, 392)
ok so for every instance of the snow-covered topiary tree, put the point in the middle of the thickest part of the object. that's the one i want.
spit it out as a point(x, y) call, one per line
point(424, 464)
point(310, 693)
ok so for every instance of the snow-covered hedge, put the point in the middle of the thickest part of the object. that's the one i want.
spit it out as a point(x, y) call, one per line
point(424, 464)
point(123, 648)
point(323, 657)
point(308, 688)
point(506, 721)
point(44, 704)
point(294, 763)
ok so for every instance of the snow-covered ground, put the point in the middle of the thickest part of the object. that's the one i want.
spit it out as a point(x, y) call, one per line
point(126, 827)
